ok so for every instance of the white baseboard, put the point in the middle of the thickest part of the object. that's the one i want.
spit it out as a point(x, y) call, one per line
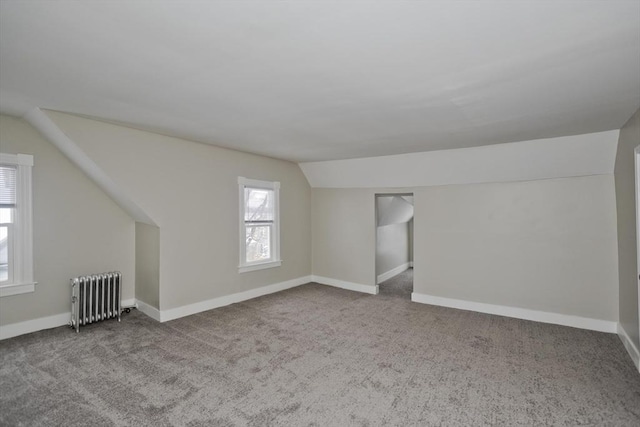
point(358, 287)
point(149, 310)
point(42, 323)
point(21, 328)
point(129, 303)
point(28, 326)
point(630, 346)
point(393, 272)
point(198, 307)
point(520, 313)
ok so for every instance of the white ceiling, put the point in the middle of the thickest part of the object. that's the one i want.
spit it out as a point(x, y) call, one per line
point(309, 81)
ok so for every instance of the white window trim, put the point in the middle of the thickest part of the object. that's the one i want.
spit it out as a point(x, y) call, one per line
point(244, 266)
point(22, 227)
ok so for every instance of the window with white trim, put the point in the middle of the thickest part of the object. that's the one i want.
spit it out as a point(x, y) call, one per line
point(259, 224)
point(16, 235)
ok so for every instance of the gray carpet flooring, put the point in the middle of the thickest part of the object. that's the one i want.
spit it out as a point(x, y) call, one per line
point(400, 286)
point(316, 355)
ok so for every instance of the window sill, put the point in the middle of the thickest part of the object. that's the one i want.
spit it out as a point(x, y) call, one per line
point(17, 289)
point(260, 266)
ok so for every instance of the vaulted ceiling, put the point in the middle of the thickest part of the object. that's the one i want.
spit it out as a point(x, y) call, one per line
point(311, 80)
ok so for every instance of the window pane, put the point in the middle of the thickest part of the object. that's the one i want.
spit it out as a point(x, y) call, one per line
point(259, 204)
point(4, 254)
point(6, 215)
point(258, 242)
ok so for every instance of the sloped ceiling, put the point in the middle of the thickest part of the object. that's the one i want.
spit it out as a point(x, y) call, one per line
point(561, 157)
point(310, 81)
point(394, 209)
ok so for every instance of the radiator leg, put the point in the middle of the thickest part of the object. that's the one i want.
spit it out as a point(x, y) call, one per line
point(75, 304)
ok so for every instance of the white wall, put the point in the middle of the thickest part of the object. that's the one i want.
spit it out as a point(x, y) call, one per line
point(410, 224)
point(392, 248)
point(547, 245)
point(190, 191)
point(344, 239)
point(627, 233)
point(78, 230)
point(344, 233)
point(148, 264)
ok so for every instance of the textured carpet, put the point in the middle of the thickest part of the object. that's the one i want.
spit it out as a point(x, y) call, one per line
point(400, 286)
point(316, 355)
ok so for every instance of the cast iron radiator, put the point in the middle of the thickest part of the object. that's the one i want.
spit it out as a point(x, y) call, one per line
point(95, 298)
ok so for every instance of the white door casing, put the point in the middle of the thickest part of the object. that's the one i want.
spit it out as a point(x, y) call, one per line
point(637, 169)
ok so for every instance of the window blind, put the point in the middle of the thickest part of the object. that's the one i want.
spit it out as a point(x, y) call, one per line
point(7, 186)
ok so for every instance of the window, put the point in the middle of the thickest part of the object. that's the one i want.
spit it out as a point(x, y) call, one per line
point(259, 224)
point(16, 241)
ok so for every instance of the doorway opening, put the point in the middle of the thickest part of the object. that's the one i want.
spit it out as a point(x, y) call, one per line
point(637, 171)
point(394, 244)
